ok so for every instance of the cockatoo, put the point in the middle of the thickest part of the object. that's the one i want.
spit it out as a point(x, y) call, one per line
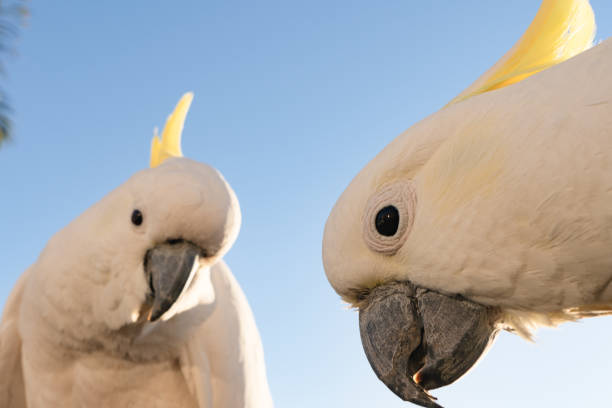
point(493, 213)
point(131, 305)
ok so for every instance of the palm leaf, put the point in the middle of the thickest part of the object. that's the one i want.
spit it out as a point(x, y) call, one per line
point(12, 16)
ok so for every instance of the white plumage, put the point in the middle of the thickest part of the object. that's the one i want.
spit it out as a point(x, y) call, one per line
point(75, 331)
point(513, 199)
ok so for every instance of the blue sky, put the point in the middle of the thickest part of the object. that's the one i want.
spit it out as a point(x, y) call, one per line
point(292, 99)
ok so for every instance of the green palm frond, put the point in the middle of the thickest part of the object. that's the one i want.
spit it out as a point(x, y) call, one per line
point(12, 16)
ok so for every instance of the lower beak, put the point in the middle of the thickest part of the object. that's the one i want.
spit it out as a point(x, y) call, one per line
point(417, 340)
point(169, 268)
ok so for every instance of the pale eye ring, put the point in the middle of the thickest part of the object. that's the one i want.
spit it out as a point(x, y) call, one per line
point(388, 217)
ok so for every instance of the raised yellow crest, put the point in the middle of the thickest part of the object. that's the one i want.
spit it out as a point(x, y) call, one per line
point(560, 30)
point(170, 143)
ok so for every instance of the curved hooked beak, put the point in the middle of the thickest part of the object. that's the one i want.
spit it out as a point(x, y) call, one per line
point(169, 269)
point(417, 340)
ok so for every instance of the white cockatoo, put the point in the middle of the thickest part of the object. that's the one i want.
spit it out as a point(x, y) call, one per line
point(493, 213)
point(131, 305)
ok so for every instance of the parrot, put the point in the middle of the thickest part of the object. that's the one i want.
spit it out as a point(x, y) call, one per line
point(132, 305)
point(493, 213)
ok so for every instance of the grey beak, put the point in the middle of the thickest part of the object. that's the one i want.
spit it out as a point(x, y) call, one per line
point(417, 340)
point(169, 267)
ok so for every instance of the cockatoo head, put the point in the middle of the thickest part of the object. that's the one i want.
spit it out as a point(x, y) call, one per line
point(388, 249)
point(410, 242)
point(133, 258)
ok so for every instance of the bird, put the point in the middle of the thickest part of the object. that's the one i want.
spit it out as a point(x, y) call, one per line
point(131, 303)
point(494, 213)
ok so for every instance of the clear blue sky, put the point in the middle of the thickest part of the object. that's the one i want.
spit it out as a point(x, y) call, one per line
point(292, 99)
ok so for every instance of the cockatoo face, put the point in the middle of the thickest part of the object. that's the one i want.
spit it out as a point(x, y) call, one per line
point(384, 244)
point(132, 256)
point(193, 220)
point(182, 216)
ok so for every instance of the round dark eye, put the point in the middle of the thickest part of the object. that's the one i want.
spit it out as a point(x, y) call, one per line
point(387, 221)
point(136, 217)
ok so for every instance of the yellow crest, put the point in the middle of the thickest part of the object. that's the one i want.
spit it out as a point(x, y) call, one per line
point(560, 30)
point(170, 143)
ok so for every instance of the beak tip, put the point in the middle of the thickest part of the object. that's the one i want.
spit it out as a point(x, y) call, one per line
point(408, 390)
point(155, 313)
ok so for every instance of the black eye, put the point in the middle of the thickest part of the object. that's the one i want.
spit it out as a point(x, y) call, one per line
point(387, 221)
point(136, 217)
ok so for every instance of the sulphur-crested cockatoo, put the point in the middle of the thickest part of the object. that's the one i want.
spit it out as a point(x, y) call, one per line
point(131, 305)
point(495, 212)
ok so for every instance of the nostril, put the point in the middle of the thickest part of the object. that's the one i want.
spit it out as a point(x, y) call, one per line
point(174, 241)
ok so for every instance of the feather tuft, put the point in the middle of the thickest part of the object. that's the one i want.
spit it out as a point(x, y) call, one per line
point(170, 143)
point(560, 30)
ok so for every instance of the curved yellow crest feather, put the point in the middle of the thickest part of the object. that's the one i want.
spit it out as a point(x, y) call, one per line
point(560, 30)
point(170, 143)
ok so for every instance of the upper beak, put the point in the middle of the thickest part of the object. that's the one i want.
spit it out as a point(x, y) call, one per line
point(417, 340)
point(169, 268)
